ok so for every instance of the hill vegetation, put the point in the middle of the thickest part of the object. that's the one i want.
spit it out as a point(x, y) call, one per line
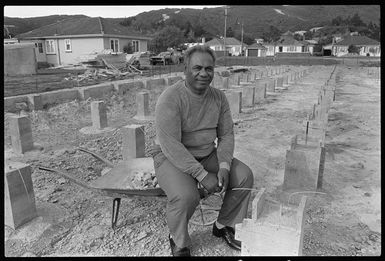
point(259, 21)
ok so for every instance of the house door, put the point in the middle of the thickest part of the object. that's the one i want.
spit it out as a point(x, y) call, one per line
point(280, 49)
point(252, 52)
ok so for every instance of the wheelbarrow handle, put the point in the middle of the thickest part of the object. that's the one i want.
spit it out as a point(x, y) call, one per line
point(97, 156)
point(71, 178)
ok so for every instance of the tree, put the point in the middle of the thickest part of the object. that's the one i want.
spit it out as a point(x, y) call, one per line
point(272, 34)
point(229, 32)
point(356, 20)
point(128, 21)
point(298, 37)
point(353, 49)
point(170, 36)
point(338, 21)
point(308, 35)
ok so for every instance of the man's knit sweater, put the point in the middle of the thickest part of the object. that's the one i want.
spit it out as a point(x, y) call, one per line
point(187, 125)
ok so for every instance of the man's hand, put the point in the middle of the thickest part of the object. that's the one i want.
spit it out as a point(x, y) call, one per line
point(223, 179)
point(210, 183)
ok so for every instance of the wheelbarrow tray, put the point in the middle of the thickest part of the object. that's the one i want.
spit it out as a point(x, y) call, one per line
point(119, 178)
point(118, 181)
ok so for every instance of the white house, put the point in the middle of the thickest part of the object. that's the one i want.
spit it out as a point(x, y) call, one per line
point(366, 45)
point(64, 42)
point(288, 45)
point(233, 46)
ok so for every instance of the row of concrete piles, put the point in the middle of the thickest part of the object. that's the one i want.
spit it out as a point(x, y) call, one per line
point(374, 72)
point(249, 88)
point(276, 228)
point(244, 90)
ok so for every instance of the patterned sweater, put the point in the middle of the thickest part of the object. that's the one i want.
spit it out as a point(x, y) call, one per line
point(188, 124)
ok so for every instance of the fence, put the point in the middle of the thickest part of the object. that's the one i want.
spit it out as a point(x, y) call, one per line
point(311, 60)
point(163, 69)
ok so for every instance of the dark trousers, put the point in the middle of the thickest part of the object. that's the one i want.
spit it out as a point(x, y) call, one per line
point(183, 196)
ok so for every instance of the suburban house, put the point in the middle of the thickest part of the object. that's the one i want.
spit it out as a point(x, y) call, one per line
point(367, 46)
point(256, 50)
point(64, 42)
point(287, 45)
point(233, 46)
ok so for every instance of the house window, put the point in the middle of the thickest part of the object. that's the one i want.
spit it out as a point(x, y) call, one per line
point(135, 46)
point(291, 48)
point(67, 43)
point(50, 46)
point(40, 46)
point(114, 45)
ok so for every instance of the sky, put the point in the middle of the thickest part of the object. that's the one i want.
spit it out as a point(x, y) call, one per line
point(105, 11)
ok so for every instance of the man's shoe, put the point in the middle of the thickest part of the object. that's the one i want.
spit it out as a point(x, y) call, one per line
point(178, 251)
point(227, 233)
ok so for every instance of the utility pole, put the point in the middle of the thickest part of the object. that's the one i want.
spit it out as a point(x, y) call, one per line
point(242, 38)
point(224, 40)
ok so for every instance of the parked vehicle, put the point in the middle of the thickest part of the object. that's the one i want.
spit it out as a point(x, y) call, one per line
point(162, 58)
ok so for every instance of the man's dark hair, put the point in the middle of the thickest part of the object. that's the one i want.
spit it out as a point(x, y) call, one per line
point(198, 48)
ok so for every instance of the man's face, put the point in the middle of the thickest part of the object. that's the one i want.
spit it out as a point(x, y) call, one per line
point(199, 72)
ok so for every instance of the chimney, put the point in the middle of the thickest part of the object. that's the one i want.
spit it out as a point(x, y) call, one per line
point(203, 40)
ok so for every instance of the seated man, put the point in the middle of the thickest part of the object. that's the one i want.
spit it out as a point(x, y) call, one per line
point(189, 116)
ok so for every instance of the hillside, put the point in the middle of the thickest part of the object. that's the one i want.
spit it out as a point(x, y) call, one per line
point(210, 21)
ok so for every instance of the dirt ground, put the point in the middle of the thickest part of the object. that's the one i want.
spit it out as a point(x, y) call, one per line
point(72, 221)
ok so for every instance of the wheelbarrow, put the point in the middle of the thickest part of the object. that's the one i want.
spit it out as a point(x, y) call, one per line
point(116, 183)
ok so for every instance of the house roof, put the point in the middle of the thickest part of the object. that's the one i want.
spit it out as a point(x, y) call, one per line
point(289, 40)
point(229, 41)
point(357, 40)
point(288, 33)
point(81, 26)
point(256, 46)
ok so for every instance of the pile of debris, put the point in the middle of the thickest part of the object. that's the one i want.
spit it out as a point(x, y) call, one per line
point(144, 180)
point(105, 66)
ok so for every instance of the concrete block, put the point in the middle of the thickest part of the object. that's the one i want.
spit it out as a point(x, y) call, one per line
point(122, 88)
point(133, 144)
point(99, 115)
point(304, 167)
point(173, 79)
point(291, 77)
point(235, 102)
point(21, 134)
point(10, 102)
point(314, 131)
point(285, 80)
point(279, 82)
point(234, 79)
point(154, 83)
point(220, 82)
point(35, 102)
point(270, 87)
point(143, 106)
point(59, 96)
point(95, 91)
point(248, 93)
point(260, 93)
point(275, 229)
point(19, 196)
